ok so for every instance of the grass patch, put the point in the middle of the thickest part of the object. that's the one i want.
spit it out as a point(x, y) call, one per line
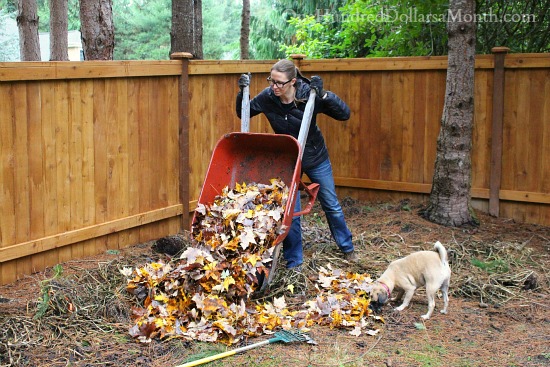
point(430, 356)
point(205, 351)
point(492, 267)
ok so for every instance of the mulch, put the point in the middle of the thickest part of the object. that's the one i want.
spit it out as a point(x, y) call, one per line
point(78, 314)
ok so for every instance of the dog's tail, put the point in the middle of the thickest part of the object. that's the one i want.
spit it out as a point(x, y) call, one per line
point(442, 252)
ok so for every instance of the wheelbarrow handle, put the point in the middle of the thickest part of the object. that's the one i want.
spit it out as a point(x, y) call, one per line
point(306, 122)
point(311, 191)
point(245, 107)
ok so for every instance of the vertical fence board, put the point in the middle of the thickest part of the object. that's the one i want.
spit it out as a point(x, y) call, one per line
point(133, 152)
point(50, 173)
point(509, 137)
point(112, 146)
point(395, 139)
point(75, 163)
point(407, 171)
point(21, 173)
point(36, 169)
point(7, 178)
point(156, 135)
point(160, 186)
point(481, 134)
point(101, 167)
point(88, 161)
point(509, 129)
point(385, 142)
point(172, 149)
point(338, 134)
point(62, 159)
point(535, 132)
point(418, 126)
point(355, 141)
point(21, 182)
point(522, 143)
point(121, 179)
point(201, 143)
point(373, 127)
point(545, 169)
point(145, 174)
point(112, 161)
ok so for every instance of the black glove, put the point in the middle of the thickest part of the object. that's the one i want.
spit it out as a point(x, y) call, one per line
point(317, 84)
point(244, 81)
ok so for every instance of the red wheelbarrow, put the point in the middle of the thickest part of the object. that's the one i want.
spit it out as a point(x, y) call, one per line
point(256, 157)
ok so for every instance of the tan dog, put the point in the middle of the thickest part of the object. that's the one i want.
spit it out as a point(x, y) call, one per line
point(420, 268)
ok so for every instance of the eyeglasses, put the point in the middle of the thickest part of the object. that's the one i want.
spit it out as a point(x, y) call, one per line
point(276, 83)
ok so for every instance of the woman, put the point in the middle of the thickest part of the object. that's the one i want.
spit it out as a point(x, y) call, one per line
point(283, 103)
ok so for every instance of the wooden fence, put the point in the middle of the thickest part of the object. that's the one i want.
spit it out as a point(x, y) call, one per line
point(386, 151)
point(102, 155)
point(88, 159)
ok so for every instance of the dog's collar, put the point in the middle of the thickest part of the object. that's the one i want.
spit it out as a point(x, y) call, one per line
point(385, 287)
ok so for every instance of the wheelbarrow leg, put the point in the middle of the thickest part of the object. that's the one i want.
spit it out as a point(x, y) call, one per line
point(271, 275)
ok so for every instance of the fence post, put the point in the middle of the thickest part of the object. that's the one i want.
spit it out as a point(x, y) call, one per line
point(496, 134)
point(183, 134)
point(297, 58)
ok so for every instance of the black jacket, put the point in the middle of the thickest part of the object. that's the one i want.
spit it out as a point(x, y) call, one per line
point(288, 120)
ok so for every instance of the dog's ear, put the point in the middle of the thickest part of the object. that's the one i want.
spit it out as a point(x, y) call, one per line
point(379, 296)
point(382, 297)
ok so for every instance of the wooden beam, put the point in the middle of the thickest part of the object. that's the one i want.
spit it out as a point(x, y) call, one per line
point(496, 134)
point(376, 64)
point(183, 133)
point(205, 67)
point(525, 196)
point(18, 71)
point(362, 183)
point(422, 188)
point(82, 234)
point(527, 61)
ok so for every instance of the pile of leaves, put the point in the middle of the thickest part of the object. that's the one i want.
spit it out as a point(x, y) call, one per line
point(206, 294)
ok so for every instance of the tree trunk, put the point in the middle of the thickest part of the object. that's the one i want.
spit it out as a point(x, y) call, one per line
point(27, 22)
point(197, 30)
point(245, 30)
point(186, 34)
point(449, 202)
point(97, 29)
point(59, 28)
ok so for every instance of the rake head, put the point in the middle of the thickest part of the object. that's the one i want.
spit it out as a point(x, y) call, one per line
point(290, 336)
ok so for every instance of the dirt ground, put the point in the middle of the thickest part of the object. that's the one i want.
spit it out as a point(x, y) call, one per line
point(499, 312)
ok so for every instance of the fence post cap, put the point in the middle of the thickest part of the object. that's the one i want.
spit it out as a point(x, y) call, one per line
point(500, 50)
point(297, 56)
point(181, 55)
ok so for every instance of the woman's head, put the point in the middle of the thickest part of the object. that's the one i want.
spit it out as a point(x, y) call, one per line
point(285, 67)
point(283, 77)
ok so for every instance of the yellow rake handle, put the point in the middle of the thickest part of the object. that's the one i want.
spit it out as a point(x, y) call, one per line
point(224, 354)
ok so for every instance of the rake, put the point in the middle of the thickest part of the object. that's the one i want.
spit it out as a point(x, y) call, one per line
point(285, 336)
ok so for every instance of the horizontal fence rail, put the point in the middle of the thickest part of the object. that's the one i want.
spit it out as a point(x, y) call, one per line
point(100, 155)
